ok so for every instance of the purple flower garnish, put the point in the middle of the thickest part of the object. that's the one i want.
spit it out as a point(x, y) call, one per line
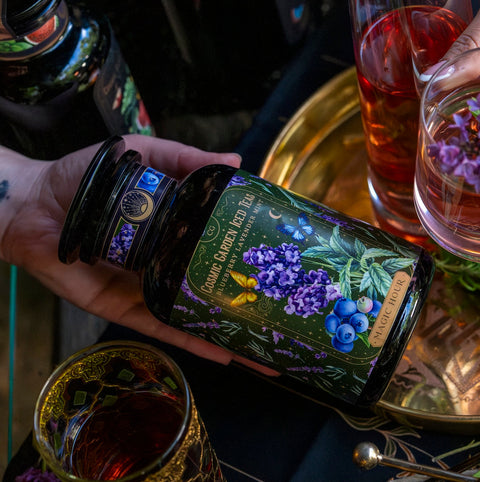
point(474, 105)
point(460, 155)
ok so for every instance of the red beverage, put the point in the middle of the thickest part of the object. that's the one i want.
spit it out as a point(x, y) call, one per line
point(389, 100)
point(114, 441)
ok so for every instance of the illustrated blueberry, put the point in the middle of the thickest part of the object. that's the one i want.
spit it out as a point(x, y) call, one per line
point(345, 333)
point(364, 304)
point(345, 307)
point(376, 308)
point(343, 347)
point(332, 322)
point(359, 321)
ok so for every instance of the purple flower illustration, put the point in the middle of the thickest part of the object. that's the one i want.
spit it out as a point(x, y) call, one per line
point(190, 294)
point(281, 276)
point(121, 245)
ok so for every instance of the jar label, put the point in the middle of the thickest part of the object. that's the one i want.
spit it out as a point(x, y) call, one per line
point(294, 285)
point(117, 97)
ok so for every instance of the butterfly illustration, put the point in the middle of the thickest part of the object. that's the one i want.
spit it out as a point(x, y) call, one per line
point(247, 283)
point(299, 232)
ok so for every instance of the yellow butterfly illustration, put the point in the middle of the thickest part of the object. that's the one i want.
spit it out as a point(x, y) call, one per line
point(247, 284)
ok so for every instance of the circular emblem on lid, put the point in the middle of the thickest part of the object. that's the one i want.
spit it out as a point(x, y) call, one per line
point(137, 206)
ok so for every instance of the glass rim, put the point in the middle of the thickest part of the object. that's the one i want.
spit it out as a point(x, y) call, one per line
point(435, 78)
point(160, 462)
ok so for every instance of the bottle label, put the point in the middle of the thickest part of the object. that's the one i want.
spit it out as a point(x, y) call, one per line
point(117, 97)
point(295, 285)
point(37, 41)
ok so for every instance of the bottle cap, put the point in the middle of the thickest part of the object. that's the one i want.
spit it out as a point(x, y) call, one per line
point(21, 17)
point(76, 240)
point(115, 205)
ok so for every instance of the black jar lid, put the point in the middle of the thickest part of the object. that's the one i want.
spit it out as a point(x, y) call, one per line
point(21, 17)
point(86, 216)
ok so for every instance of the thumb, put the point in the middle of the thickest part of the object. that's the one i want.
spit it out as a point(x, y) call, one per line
point(469, 39)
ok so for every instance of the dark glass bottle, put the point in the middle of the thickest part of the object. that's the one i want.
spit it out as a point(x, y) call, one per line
point(328, 300)
point(63, 82)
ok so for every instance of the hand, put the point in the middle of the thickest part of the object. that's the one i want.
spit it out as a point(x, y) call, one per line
point(32, 215)
point(469, 39)
point(464, 71)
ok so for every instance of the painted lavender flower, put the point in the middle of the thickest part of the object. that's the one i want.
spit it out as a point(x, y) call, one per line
point(121, 244)
point(281, 276)
point(238, 181)
point(190, 294)
point(459, 155)
point(280, 269)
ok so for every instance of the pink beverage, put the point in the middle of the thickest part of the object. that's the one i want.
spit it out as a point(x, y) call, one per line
point(448, 206)
point(390, 105)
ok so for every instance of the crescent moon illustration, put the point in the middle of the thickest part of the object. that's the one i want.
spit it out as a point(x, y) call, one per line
point(273, 216)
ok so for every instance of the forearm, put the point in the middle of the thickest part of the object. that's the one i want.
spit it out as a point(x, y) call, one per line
point(19, 191)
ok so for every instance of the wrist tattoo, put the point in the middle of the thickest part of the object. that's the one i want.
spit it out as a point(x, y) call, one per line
point(4, 186)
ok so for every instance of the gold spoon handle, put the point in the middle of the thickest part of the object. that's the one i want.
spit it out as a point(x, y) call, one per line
point(367, 456)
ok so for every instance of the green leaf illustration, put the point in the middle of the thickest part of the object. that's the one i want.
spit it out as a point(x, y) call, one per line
point(230, 327)
point(378, 253)
point(345, 280)
point(339, 245)
point(358, 267)
point(371, 292)
point(335, 372)
point(319, 252)
point(263, 338)
point(366, 281)
point(360, 248)
point(391, 266)
point(380, 278)
point(364, 338)
point(259, 350)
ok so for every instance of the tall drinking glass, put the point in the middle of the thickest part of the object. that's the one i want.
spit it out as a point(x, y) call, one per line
point(383, 34)
point(447, 178)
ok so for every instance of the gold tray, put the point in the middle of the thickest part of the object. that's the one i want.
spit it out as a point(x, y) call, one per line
point(321, 154)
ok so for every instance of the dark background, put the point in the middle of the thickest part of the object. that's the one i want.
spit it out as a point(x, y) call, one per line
point(226, 74)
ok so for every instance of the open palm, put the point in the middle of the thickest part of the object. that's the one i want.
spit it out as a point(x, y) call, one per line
point(33, 213)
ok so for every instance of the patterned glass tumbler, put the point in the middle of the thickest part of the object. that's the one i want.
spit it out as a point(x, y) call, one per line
point(122, 411)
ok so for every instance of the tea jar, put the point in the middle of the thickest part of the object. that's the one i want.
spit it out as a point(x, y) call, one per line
point(327, 300)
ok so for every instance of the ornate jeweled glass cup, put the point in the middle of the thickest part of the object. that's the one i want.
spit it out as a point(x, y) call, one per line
point(122, 411)
point(447, 179)
point(393, 40)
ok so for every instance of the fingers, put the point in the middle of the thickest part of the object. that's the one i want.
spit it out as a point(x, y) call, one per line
point(469, 39)
point(465, 67)
point(205, 349)
point(171, 158)
point(175, 159)
point(197, 346)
